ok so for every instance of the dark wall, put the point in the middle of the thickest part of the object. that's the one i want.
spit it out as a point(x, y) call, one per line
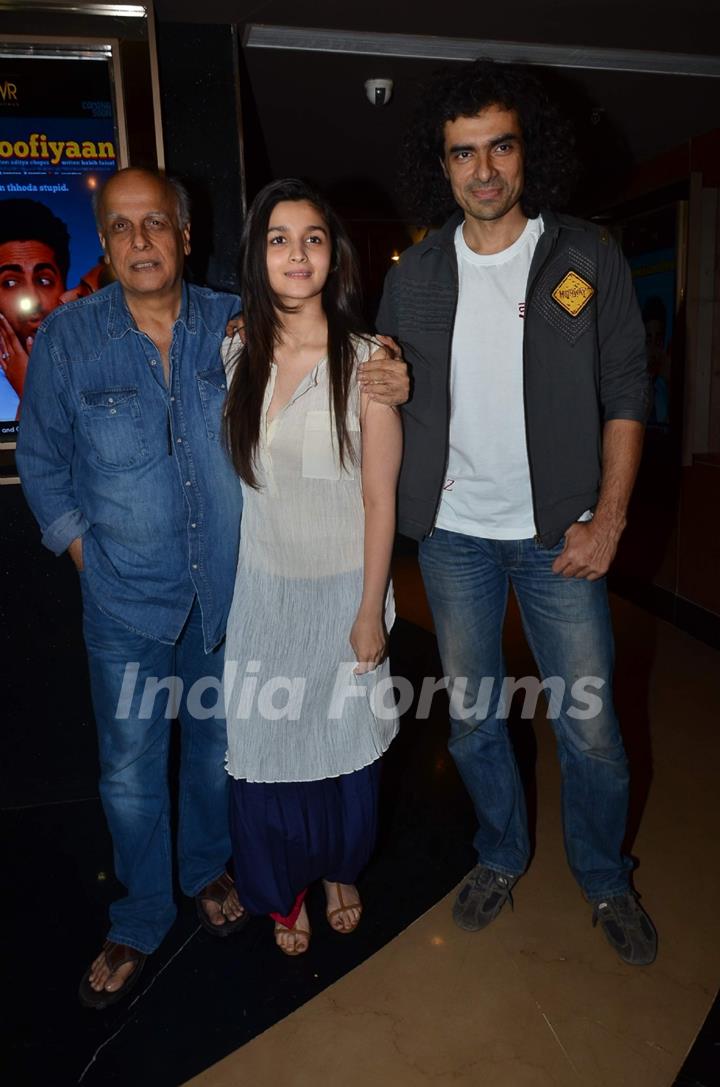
point(668, 557)
point(201, 128)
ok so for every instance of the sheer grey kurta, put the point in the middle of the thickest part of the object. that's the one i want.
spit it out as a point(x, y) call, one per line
point(295, 709)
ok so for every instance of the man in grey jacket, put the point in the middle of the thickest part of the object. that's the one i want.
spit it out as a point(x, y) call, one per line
point(523, 437)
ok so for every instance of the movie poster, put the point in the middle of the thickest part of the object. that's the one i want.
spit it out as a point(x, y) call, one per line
point(57, 142)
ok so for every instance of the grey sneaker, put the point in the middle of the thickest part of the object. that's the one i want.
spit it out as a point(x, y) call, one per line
point(481, 898)
point(627, 928)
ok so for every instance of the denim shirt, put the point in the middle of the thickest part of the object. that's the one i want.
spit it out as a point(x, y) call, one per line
point(108, 452)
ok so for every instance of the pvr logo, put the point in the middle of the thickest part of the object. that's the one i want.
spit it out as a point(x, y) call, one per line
point(8, 91)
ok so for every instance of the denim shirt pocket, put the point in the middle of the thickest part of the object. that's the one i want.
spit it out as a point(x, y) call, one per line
point(212, 389)
point(112, 419)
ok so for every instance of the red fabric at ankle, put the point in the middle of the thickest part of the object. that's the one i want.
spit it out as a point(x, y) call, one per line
point(292, 917)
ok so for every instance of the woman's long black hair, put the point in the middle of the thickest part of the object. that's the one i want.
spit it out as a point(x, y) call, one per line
point(341, 301)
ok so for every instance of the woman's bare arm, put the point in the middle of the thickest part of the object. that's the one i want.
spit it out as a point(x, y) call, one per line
point(381, 455)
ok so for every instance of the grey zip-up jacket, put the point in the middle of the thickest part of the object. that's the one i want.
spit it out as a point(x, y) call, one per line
point(583, 356)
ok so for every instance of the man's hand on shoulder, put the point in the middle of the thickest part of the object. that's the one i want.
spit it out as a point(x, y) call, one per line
point(384, 377)
point(589, 550)
point(236, 327)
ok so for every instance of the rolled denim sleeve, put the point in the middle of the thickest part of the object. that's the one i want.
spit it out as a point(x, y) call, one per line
point(45, 450)
point(58, 536)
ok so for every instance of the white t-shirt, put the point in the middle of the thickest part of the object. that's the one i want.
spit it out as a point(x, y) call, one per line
point(487, 490)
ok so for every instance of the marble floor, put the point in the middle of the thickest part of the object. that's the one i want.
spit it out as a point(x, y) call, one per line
point(539, 999)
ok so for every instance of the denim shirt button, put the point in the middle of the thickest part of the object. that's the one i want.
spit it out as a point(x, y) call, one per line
point(193, 525)
point(194, 566)
point(179, 441)
point(188, 483)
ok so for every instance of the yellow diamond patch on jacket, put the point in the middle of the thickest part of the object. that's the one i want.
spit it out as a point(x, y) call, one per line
point(573, 293)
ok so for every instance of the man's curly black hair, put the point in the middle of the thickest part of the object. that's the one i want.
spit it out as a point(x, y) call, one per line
point(550, 163)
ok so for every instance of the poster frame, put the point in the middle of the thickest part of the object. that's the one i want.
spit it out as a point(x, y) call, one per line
point(93, 50)
point(22, 46)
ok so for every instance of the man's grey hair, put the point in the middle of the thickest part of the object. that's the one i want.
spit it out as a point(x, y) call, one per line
point(182, 197)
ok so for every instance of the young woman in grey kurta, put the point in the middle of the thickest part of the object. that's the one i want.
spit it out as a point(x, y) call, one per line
point(298, 589)
point(309, 703)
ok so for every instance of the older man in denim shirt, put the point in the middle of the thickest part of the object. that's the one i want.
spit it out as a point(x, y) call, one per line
point(123, 465)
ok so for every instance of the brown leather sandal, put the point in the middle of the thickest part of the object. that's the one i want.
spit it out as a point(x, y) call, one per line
point(218, 892)
point(295, 932)
point(342, 908)
point(116, 955)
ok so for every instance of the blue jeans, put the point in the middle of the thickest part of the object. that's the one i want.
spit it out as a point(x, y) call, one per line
point(567, 625)
point(133, 742)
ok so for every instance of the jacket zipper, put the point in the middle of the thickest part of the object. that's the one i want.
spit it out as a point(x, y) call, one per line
point(453, 263)
point(528, 296)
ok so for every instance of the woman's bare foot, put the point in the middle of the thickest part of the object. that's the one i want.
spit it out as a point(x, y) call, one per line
point(295, 940)
point(344, 908)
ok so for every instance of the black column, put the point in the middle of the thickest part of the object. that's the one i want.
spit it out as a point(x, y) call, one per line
point(202, 135)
